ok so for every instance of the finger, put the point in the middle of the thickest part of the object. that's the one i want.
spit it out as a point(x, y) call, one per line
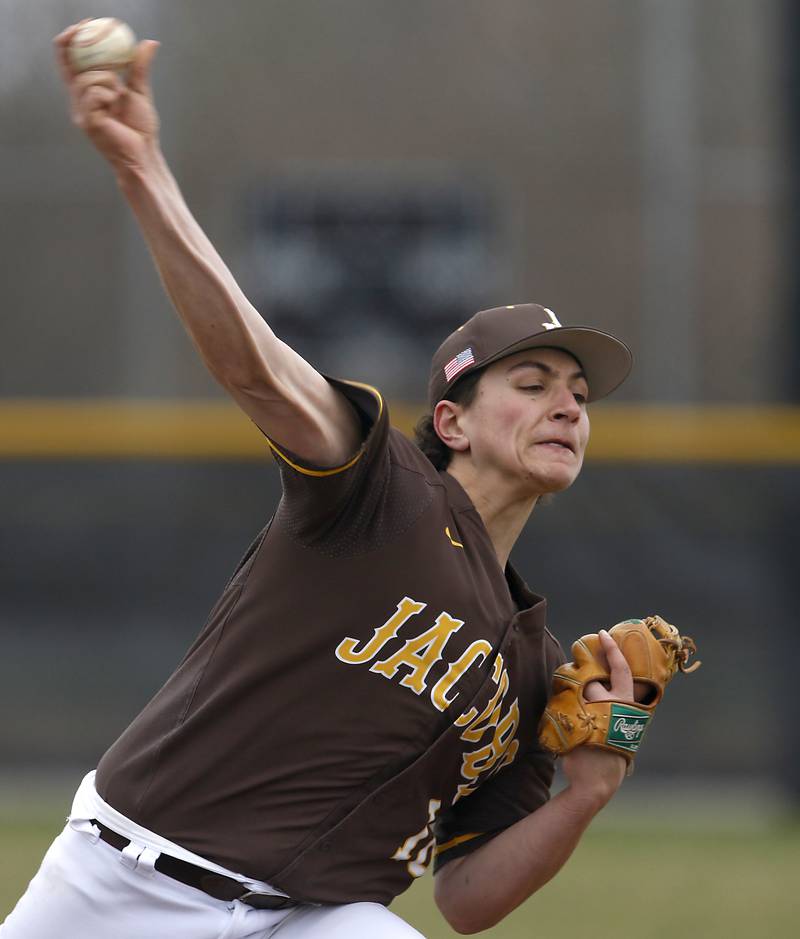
point(80, 84)
point(139, 75)
point(87, 95)
point(595, 691)
point(99, 98)
point(101, 77)
point(621, 678)
point(95, 100)
point(61, 45)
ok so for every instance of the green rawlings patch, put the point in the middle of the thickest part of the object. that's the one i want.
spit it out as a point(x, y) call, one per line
point(626, 727)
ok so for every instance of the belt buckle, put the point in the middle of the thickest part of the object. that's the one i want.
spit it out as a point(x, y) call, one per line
point(265, 901)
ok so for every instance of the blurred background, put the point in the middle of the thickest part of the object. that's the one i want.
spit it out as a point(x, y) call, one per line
point(374, 172)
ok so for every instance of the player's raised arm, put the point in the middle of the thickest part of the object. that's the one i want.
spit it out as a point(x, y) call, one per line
point(285, 396)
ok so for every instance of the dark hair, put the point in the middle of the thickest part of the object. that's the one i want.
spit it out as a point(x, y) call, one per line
point(463, 392)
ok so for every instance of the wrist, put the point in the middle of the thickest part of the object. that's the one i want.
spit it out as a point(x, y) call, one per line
point(150, 169)
point(593, 775)
point(587, 799)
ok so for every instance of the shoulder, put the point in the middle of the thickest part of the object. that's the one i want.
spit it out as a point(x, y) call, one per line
point(407, 454)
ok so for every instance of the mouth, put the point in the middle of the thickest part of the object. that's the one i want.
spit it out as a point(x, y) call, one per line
point(557, 442)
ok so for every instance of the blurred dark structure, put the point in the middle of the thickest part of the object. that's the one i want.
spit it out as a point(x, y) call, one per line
point(353, 266)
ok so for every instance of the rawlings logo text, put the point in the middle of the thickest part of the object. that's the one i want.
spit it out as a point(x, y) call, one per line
point(629, 730)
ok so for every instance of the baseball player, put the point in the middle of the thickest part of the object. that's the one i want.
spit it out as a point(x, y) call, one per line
point(364, 697)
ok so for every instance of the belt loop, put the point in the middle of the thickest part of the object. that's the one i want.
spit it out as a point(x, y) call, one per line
point(85, 826)
point(129, 856)
point(147, 862)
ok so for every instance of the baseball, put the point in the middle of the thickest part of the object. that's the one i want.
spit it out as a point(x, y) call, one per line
point(102, 43)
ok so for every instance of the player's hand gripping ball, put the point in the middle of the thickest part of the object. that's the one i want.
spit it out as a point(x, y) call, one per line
point(104, 43)
point(654, 650)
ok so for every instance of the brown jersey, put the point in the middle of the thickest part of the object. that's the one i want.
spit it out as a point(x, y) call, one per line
point(366, 690)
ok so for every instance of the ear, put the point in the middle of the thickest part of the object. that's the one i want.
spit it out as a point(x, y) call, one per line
point(448, 425)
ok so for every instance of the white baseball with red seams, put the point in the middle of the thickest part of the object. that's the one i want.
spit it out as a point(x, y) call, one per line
point(102, 43)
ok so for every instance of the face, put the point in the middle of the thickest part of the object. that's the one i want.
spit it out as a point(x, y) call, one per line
point(528, 422)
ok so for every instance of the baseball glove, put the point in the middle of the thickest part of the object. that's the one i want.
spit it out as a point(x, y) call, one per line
point(654, 650)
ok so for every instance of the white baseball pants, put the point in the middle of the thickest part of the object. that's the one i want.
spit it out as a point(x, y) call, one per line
point(84, 889)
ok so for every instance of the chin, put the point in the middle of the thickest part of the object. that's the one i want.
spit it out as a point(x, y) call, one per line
point(550, 475)
point(549, 483)
point(560, 486)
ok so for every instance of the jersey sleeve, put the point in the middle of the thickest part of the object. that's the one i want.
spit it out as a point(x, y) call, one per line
point(514, 793)
point(320, 504)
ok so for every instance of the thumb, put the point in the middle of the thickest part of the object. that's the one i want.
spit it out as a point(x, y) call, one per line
point(139, 75)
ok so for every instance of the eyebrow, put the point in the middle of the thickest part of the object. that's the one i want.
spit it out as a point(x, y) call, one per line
point(528, 363)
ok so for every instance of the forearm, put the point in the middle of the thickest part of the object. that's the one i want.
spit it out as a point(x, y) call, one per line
point(477, 891)
point(230, 335)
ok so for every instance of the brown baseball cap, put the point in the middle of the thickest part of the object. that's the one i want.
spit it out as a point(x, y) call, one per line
point(493, 334)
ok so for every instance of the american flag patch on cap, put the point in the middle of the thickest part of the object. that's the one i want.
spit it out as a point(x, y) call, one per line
point(459, 363)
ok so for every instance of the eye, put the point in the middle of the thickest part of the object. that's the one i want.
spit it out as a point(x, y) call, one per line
point(580, 398)
point(531, 387)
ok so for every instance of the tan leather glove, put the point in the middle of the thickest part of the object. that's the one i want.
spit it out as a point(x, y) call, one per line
point(654, 650)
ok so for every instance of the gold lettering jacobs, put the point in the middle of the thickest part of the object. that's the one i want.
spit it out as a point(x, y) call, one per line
point(479, 761)
point(416, 657)
point(346, 650)
point(490, 715)
point(478, 650)
point(470, 718)
point(420, 654)
point(499, 752)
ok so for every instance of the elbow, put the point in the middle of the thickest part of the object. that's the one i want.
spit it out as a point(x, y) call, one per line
point(233, 376)
point(241, 367)
point(463, 913)
point(465, 924)
point(259, 387)
point(458, 921)
point(467, 929)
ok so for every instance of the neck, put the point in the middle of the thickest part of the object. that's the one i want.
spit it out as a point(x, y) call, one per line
point(503, 509)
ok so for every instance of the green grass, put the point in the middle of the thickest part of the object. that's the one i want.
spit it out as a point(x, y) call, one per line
point(622, 883)
point(654, 885)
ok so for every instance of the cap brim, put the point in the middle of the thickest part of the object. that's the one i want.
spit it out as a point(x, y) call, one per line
point(606, 360)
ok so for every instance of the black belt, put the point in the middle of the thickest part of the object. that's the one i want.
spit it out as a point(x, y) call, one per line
point(215, 885)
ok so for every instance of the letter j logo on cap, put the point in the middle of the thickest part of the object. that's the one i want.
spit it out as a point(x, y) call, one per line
point(553, 324)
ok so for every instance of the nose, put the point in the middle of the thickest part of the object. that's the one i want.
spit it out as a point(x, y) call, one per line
point(564, 406)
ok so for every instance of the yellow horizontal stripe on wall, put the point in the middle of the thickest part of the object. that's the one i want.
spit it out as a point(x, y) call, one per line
point(192, 429)
point(703, 434)
point(117, 427)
